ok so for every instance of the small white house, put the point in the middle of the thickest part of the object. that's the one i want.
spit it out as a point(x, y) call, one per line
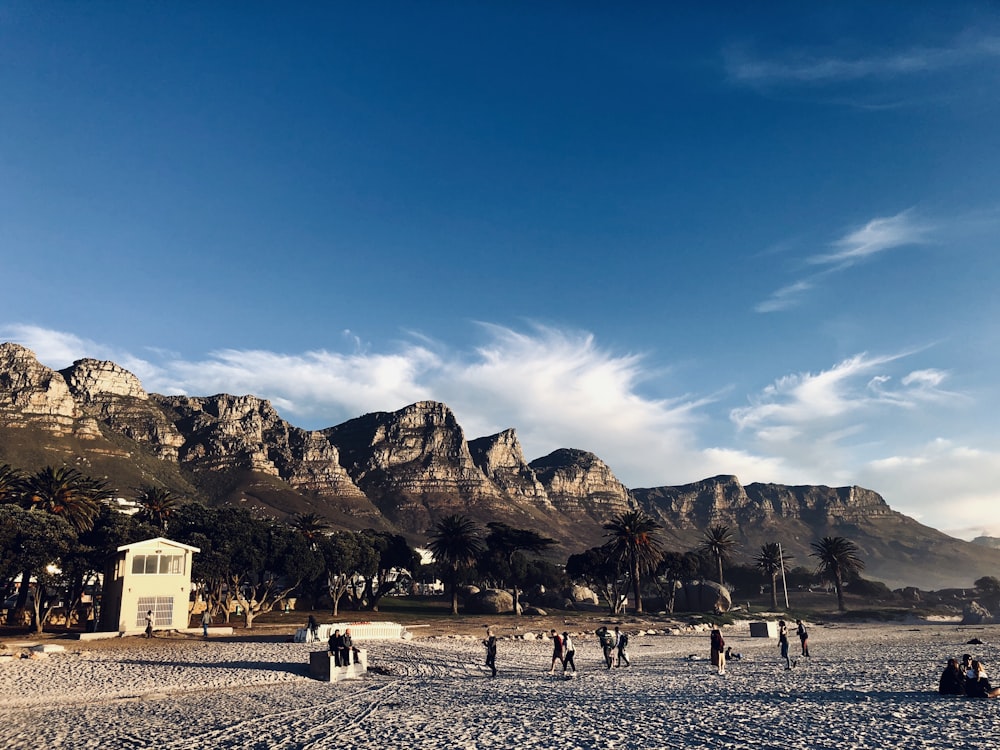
point(152, 575)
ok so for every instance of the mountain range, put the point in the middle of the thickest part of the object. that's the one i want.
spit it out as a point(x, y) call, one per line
point(401, 471)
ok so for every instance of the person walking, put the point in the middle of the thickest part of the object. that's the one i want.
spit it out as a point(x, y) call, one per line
point(149, 623)
point(621, 643)
point(718, 650)
point(557, 650)
point(313, 627)
point(491, 650)
point(206, 620)
point(607, 644)
point(569, 654)
point(783, 643)
point(803, 635)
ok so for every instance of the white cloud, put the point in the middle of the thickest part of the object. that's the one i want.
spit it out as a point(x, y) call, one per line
point(878, 235)
point(814, 69)
point(949, 486)
point(786, 297)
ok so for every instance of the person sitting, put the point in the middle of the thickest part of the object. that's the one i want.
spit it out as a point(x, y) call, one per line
point(967, 665)
point(337, 647)
point(952, 680)
point(349, 654)
point(730, 654)
point(980, 687)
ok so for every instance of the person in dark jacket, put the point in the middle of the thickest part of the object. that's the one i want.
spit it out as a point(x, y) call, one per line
point(718, 650)
point(337, 647)
point(491, 651)
point(952, 680)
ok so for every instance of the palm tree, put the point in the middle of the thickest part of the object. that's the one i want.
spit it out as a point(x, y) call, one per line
point(312, 526)
point(11, 484)
point(837, 560)
point(717, 542)
point(158, 505)
point(455, 544)
point(634, 544)
point(771, 561)
point(68, 493)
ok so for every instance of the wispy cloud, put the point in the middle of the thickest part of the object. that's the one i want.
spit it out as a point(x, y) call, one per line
point(811, 69)
point(879, 235)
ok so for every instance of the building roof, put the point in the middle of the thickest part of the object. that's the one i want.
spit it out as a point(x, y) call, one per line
point(159, 540)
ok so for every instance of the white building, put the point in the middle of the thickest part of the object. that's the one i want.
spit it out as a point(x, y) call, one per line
point(152, 575)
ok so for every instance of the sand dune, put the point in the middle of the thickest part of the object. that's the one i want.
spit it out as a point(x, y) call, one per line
point(865, 686)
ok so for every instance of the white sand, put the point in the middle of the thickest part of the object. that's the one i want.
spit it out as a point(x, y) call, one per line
point(866, 686)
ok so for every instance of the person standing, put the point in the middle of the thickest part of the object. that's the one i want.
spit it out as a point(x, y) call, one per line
point(149, 623)
point(491, 650)
point(206, 620)
point(803, 635)
point(718, 650)
point(349, 654)
point(569, 654)
point(783, 643)
point(621, 643)
point(313, 628)
point(607, 641)
point(557, 650)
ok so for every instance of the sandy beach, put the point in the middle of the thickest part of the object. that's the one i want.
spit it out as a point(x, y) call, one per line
point(864, 686)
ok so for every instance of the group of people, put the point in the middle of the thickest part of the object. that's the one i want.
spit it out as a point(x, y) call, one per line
point(801, 632)
point(563, 652)
point(968, 678)
point(342, 647)
point(614, 645)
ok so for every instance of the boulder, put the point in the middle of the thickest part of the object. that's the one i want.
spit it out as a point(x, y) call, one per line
point(535, 611)
point(582, 595)
point(490, 602)
point(702, 596)
point(975, 613)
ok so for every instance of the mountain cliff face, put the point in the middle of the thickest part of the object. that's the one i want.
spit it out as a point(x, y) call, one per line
point(406, 469)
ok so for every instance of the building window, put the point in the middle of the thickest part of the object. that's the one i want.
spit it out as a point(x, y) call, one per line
point(158, 565)
point(163, 611)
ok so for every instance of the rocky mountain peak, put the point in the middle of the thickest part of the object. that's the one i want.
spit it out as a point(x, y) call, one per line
point(581, 485)
point(32, 393)
point(89, 379)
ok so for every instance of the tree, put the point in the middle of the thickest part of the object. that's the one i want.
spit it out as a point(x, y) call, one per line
point(455, 544)
point(68, 493)
point(11, 484)
point(989, 585)
point(33, 542)
point(718, 542)
point(393, 556)
point(157, 505)
point(771, 560)
point(507, 543)
point(634, 543)
point(342, 560)
point(601, 572)
point(674, 567)
point(837, 561)
point(312, 526)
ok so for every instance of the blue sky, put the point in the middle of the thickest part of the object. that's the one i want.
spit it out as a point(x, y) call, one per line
point(694, 241)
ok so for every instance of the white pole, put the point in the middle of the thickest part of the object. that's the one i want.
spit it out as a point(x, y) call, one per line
point(781, 562)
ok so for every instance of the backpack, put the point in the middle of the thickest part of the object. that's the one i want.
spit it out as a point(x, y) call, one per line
point(623, 640)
